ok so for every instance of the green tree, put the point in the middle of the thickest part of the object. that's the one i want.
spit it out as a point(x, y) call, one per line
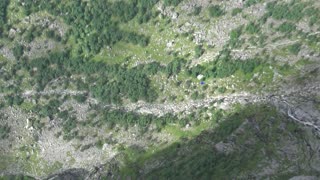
point(18, 51)
point(286, 27)
point(171, 2)
point(252, 28)
point(198, 50)
point(294, 48)
point(236, 11)
point(216, 11)
point(3, 12)
point(4, 131)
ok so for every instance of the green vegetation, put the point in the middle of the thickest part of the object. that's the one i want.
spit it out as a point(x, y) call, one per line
point(36, 123)
point(18, 51)
point(197, 10)
point(249, 3)
point(294, 48)
point(100, 18)
point(80, 98)
point(68, 125)
point(4, 131)
point(194, 95)
point(119, 82)
point(36, 31)
point(261, 134)
point(234, 37)
point(221, 89)
point(293, 11)
point(13, 100)
point(174, 67)
point(216, 11)
point(48, 109)
point(198, 51)
point(126, 119)
point(314, 15)
point(3, 13)
point(286, 27)
point(252, 28)
point(80, 65)
point(225, 66)
point(51, 34)
point(236, 11)
point(171, 2)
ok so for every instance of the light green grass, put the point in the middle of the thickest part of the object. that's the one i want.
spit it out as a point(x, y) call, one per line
point(178, 132)
point(160, 33)
point(31, 163)
point(15, 12)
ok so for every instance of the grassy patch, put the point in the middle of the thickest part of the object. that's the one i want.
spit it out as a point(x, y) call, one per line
point(286, 70)
point(303, 62)
point(6, 161)
point(178, 132)
point(162, 47)
point(33, 164)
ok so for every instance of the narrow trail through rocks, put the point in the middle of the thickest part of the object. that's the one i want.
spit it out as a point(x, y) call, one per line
point(281, 100)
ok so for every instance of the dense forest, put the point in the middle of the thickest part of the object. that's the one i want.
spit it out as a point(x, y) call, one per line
point(95, 23)
point(3, 14)
point(225, 66)
point(108, 83)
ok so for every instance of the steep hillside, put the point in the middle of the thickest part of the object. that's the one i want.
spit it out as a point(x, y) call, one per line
point(159, 89)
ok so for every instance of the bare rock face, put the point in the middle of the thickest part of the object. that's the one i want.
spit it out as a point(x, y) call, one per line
point(7, 53)
point(225, 148)
point(71, 174)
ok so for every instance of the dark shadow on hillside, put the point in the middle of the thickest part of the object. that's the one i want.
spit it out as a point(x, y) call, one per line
point(255, 143)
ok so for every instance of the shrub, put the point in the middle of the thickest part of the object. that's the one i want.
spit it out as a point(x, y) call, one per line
point(234, 36)
point(3, 12)
point(293, 11)
point(194, 95)
point(198, 51)
point(236, 11)
point(80, 98)
point(249, 3)
point(286, 27)
point(18, 51)
point(252, 28)
point(4, 131)
point(197, 10)
point(99, 144)
point(102, 17)
point(222, 89)
point(171, 2)
point(216, 11)
point(295, 48)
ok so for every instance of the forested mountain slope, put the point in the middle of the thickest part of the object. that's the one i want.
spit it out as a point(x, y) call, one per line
point(159, 89)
